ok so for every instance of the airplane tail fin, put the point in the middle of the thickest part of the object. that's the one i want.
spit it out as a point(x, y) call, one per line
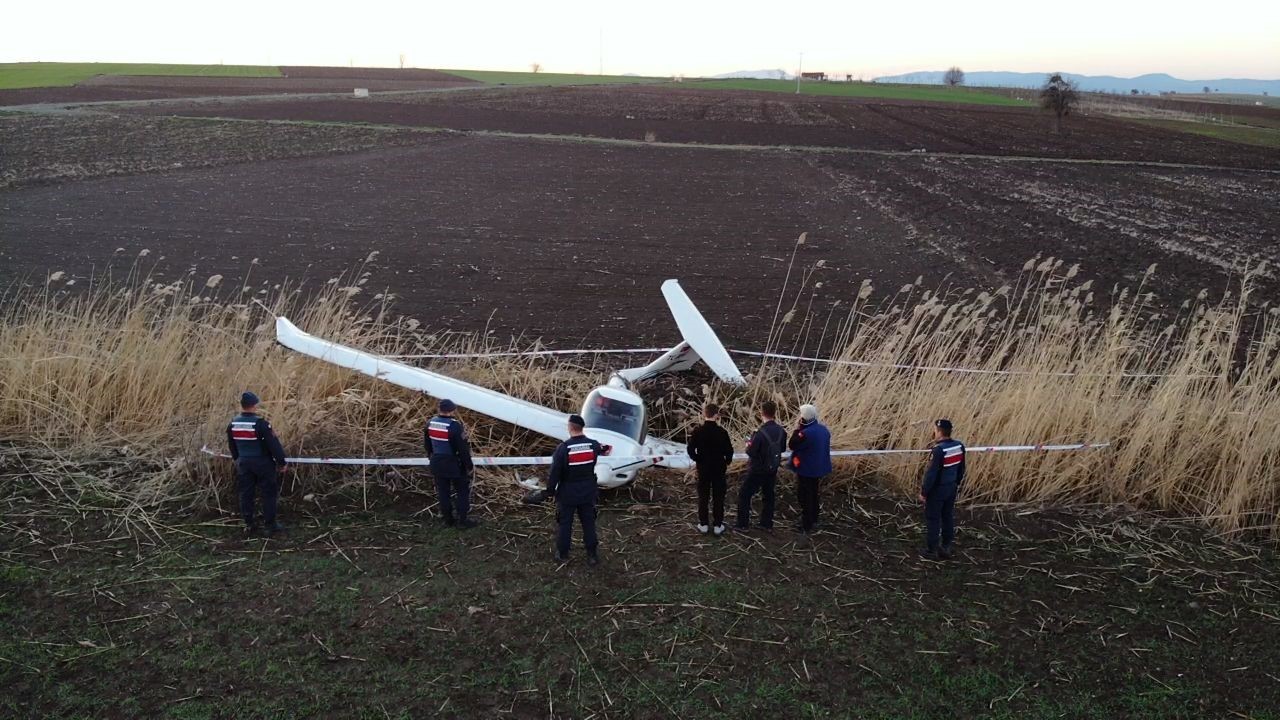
point(700, 343)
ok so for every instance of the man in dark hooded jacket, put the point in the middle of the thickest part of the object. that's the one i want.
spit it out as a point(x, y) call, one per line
point(711, 450)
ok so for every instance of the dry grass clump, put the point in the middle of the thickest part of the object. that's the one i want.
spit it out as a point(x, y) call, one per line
point(153, 371)
point(1189, 403)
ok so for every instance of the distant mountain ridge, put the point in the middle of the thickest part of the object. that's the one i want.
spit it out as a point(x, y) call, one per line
point(756, 74)
point(1152, 83)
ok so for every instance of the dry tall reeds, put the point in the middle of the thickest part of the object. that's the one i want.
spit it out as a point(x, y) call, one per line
point(1189, 403)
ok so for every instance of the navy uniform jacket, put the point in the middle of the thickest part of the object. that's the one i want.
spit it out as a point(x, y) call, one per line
point(946, 467)
point(446, 442)
point(764, 449)
point(250, 436)
point(573, 470)
point(811, 450)
point(709, 446)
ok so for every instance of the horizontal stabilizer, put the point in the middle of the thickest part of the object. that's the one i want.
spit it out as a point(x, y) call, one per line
point(699, 335)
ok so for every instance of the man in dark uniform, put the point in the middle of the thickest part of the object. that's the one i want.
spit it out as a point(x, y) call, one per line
point(764, 456)
point(257, 454)
point(811, 461)
point(712, 451)
point(572, 482)
point(450, 450)
point(942, 481)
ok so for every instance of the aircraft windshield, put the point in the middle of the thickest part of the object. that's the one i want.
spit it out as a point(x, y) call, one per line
point(607, 413)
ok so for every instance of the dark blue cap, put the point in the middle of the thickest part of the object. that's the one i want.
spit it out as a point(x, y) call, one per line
point(447, 405)
point(577, 421)
point(943, 425)
point(248, 399)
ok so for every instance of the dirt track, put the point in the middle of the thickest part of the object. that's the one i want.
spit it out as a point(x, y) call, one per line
point(699, 116)
point(570, 240)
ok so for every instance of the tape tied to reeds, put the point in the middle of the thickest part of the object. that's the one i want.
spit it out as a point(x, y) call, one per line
point(653, 459)
point(775, 356)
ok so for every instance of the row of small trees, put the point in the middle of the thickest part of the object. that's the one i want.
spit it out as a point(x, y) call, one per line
point(1058, 95)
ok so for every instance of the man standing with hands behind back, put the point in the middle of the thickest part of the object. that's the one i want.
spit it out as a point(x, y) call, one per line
point(938, 492)
point(450, 451)
point(712, 450)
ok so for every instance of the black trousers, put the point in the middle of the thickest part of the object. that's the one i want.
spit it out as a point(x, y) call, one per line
point(454, 492)
point(940, 517)
point(257, 475)
point(766, 485)
point(807, 495)
point(711, 490)
point(586, 512)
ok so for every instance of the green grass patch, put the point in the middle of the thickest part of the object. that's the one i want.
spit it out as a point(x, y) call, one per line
point(501, 77)
point(1263, 137)
point(929, 93)
point(54, 74)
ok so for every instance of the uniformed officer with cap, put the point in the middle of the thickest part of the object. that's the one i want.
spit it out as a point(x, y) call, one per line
point(938, 492)
point(450, 450)
point(258, 455)
point(572, 482)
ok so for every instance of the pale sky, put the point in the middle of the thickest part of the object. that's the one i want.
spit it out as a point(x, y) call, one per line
point(1191, 40)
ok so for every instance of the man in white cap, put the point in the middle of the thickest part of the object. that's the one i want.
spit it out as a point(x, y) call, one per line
point(810, 447)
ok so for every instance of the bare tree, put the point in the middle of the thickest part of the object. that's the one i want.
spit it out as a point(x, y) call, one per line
point(953, 77)
point(536, 67)
point(1059, 96)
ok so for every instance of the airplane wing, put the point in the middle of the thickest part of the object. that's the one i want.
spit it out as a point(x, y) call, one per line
point(473, 397)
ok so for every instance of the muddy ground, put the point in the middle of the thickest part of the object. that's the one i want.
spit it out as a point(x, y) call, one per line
point(757, 118)
point(367, 608)
point(569, 240)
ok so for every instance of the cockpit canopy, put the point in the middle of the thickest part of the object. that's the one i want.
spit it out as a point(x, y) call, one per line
point(614, 409)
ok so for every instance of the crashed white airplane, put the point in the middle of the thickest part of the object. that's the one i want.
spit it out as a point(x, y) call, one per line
point(615, 413)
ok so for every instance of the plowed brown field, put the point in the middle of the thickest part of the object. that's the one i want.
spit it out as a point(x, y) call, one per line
point(681, 115)
point(570, 240)
point(295, 80)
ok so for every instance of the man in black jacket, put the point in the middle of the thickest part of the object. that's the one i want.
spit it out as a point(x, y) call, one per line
point(712, 450)
point(572, 482)
point(258, 455)
point(450, 451)
point(764, 453)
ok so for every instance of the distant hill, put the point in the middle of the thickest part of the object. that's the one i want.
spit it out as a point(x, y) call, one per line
point(1154, 83)
point(756, 74)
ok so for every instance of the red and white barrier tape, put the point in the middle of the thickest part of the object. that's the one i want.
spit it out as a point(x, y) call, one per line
point(774, 356)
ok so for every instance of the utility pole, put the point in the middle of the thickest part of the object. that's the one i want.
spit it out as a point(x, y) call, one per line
point(799, 72)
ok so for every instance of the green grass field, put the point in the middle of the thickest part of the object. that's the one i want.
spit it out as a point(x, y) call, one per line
point(1264, 137)
point(502, 77)
point(931, 93)
point(50, 74)
point(385, 614)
